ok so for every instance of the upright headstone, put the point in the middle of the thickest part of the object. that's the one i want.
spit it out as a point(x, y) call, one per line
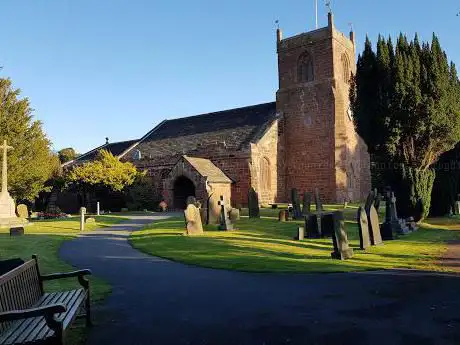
point(253, 203)
point(300, 233)
point(457, 208)
point(225, 223)
point(191, 200)
point(297, 213)
point(234, 215)
point(306, 206)
point(363, 225)
point(213, 215)
point(311, 226)
point(386, 229)
point(98, 209)
point(319, 205)
point(23, 212)
point(82, 218)
point(374, 227)
point(378, 199)
point(204, 215)
point(342, 250)
point(282, 216)
point(369, 201)
point(327, 224)
point(193, 225)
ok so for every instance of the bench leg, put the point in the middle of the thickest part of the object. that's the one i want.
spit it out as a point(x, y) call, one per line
point(89, 323)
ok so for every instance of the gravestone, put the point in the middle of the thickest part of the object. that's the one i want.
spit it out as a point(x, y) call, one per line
point(17, 231)
point(374, 226)
point(342, 250)
point(225, 223)
point(297, 213)
point(411, 224)
point(90, 220)
point(369, 202)
point(98, 209)
point(399, 225)
point(387, 228)
point(191, 200)
point(282, 216)
point(311, 226)
point(213, 215)
point(327, 224)
point(363, 225)
point(193, 225)
point(22, 211)
point(234, 215)
point(306, 206)
point(253, 203)
point(457, 208)
point(300, 233)
point(319, 205)
point(203, 215)
point(82, 218)
point(378, 199)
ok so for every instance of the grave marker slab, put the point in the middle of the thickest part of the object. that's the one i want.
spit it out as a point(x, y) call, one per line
point(318, 203)
point(300, 233)
point(363, 224)
point(253, 203)
point(306, 206)
point(342, 250)
point(374, 227)
point(193, 225)
point(225, 223)
point(297, 213)
point(22, 211)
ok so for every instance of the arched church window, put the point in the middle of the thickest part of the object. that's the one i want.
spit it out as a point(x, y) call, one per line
point(305, 72)
point(265, 174)
point(346, 68)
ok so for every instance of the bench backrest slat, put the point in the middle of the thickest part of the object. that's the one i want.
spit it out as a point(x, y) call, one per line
point(20, 288)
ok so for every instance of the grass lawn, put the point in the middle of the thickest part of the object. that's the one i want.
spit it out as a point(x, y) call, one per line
point(265, 245)
point(44, 239)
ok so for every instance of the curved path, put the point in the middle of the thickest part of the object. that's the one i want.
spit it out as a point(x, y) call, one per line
point(155, 301)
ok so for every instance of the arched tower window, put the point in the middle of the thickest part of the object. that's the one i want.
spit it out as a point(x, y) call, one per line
point(346, 72)
point(305, 72)
point(265, 174)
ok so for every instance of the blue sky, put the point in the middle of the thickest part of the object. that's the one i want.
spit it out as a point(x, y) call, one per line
point(115, 68)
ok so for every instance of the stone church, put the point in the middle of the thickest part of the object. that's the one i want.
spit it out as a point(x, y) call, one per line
point(305, 139)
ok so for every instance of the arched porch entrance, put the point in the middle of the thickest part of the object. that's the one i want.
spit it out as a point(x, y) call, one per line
point(183, 188)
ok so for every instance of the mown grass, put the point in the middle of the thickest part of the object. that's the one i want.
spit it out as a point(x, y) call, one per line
point(44, 239)
point(266, 245)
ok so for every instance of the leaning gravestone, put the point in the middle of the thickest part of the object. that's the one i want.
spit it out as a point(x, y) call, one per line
point(22, 211)
point(297, 213)
point(363, 224)
point(225, 223)
point(319, 205)
point(374, 226)
point(253, 203)
point(213, 209)
point(306, 206)
point(342, 250)
point(193, 225)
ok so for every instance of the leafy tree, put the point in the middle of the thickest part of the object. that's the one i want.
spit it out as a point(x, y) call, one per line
point(31, 163)
point(143, 194)
point(406, 103)
point(105, 171)
point(67, 154)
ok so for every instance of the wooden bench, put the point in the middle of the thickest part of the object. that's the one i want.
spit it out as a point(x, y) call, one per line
point(29, 315)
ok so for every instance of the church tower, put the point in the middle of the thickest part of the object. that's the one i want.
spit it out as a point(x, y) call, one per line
point(321, 148)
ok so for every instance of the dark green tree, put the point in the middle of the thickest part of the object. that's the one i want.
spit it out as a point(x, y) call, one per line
point(31, 163)
point(406, 106)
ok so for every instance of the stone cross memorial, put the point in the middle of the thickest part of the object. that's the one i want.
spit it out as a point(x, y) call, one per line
point(225, 223)
point(193, 225)
point(297, 213)
point(342, 250)
point(253, 203)
point(363, 225)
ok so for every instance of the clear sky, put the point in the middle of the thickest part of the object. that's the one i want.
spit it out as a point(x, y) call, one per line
point(116, 68)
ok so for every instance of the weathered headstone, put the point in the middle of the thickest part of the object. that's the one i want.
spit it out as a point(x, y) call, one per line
point(253, 203)
point(374, 226)
point(311, 226)
point(213, 215)
point(342, 250)
point(300, 233)
point(90, 220)
point(82, 218)
point(193, 225)
point(457, 208)
point(234, 215)
point(306, 206)
point(319, 205)
point(282, 216)
point(22, 211)
point(297, 213)
point(17, 231)
point(225, 223)
point(363, 224)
